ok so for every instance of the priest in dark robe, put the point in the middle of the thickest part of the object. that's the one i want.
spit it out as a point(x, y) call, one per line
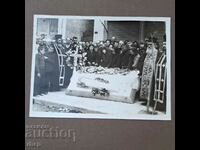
point(60, 49)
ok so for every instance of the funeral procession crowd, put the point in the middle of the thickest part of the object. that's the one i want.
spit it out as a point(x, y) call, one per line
point(111, 53)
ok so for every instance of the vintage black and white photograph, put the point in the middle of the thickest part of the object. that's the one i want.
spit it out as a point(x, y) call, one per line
point(101, 67)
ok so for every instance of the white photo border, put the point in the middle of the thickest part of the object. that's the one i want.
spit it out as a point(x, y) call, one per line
point(167, 116)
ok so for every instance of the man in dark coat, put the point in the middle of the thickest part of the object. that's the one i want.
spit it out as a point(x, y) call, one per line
point(105, 58)
point(52, 69)
point(69, 62)
point(121, 50)
point(97, 55)
point(110, 52)
point(90, 56)
point(142, 53)
point(117, 58)
point(124, 57)
point(40, 82)
point(114, 57)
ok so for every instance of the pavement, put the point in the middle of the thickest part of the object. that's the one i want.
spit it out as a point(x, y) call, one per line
point(111, 108)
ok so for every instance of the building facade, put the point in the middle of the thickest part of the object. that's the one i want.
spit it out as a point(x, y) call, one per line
point(99, 29)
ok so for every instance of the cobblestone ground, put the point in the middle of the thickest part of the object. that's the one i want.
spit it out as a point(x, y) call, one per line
point(53, 107)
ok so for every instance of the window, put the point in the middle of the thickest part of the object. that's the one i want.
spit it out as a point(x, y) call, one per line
point(47, 26)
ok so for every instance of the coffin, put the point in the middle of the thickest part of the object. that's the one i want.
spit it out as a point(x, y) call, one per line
point(105, 84)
